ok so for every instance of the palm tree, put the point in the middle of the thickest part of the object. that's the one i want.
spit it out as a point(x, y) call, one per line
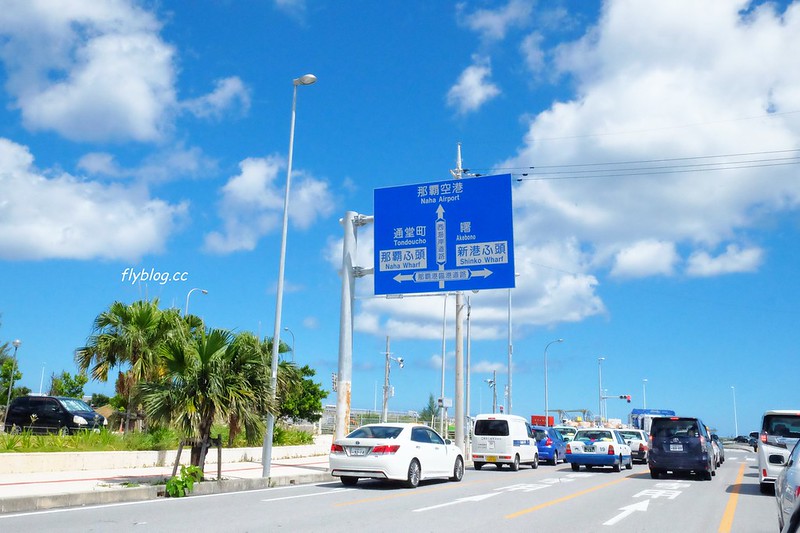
point(130, 335)
point(207, 377)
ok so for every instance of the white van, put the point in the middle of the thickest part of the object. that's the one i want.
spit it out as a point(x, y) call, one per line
point(503, 440)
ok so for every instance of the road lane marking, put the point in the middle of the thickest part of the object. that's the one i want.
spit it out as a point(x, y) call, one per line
point(628, 510)
point(564, 499)
point(730, 509)
point(478, 498)
point(334, 491)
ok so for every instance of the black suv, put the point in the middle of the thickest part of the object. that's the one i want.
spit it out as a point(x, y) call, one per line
point(44, 414)
point(680, 444)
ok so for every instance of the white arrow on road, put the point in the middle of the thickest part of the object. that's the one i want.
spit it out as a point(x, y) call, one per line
point(628, 510)
point(477, 498)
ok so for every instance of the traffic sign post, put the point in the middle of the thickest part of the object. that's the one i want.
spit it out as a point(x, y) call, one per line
point(443, 236)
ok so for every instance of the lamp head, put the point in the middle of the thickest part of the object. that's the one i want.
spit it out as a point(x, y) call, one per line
point(307, 79)
point(204, 291)
point(16, 343)
point(401, 362)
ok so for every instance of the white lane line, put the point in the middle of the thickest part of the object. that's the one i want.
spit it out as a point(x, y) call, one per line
point(334, 491)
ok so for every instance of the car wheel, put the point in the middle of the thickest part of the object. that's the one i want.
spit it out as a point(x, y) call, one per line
point(535, 463)
point(655, 474)
point(707, 475)
point(764, 488)
point(63, 431)
point(458, 469)
point(555, 459)
point(629, 466)
point(575, 467)
point(349, 481)
point(515, 465)
point(618, 466)
point(414, 472)
point(477, 466)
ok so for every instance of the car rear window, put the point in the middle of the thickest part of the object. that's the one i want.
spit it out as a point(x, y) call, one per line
point(593, 435)
point(630, 435)
point(376, 432)
point(491, 428)
point(782, 425)
point(675, 427)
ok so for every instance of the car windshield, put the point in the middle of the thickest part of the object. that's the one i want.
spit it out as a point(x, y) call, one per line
point(376, 432)
point(591, 436)
point(783, 425)
point(73, 405)
point(492, 428)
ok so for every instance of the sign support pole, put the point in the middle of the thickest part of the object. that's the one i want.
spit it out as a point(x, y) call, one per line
point(459, 390)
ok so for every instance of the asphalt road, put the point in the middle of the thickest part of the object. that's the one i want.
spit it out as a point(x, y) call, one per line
point(550, 498)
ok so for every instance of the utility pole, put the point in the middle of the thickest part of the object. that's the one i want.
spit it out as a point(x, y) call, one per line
point(459, 394)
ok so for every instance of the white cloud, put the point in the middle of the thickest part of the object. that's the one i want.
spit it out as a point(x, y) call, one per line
point(168, 164)
point(228, 93)
point(63, 217)
point(533, 53)
point(494, 24)
point(645, 258)
point(96, 71)
point(294, 8)
point(473, 88)
point(252, 204)
point(639, 96)
point(733, 260)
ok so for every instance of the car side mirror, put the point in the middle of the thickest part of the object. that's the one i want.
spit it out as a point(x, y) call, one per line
point(448, 441)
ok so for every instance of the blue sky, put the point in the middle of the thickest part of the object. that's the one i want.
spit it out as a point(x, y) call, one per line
point(658, 228)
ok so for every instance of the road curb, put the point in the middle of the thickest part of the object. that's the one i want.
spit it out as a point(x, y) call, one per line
point(25, 504)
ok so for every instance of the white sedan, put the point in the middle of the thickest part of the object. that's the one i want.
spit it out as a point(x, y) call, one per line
point(639, 443)
point(404, 452)
point(598, 447)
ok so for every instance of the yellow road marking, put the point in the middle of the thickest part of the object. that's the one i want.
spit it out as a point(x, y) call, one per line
point(564, 499)
point(730, 509)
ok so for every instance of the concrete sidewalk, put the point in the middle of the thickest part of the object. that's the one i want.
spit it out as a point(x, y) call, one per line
point(46, 484)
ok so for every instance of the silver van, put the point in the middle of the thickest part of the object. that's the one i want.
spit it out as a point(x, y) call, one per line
point(780, 431)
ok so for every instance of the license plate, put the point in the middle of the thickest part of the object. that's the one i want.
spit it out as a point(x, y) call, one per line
point(588, 448)
point(491, 459)
point(358, 451)
point(676, 447)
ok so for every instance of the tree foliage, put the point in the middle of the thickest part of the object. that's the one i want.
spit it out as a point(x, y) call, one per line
point(67, 385)
point(301, 398)
point(430, 411)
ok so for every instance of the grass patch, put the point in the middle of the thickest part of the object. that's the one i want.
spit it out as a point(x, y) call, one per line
point(104, 441)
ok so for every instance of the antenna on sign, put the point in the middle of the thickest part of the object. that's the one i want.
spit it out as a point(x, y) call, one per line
point(458, 172)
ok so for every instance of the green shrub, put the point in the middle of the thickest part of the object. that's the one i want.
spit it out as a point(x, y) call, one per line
point(178, 486)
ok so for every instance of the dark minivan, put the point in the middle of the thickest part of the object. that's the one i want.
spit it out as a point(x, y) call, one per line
point(46, 414)
point(680, 444)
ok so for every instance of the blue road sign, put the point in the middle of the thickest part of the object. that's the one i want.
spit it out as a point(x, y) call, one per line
point(444, 236)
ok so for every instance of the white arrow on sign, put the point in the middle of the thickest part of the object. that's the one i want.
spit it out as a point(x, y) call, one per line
point(628, 510)
point(485, 273)
point(479, 497)
point(403, 277)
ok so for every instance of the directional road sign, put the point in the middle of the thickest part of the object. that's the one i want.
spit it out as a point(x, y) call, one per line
point(444, 236)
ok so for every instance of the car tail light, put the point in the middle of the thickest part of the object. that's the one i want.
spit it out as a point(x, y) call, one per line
point(385, 449)
point(763, 472)
point(642, 447)
point(569, 448)
point(610, 449)
point(797, 492)
point(336, 448)
point(548, 442)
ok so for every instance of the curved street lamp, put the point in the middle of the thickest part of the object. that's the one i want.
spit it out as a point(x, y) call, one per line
point(186, 309)
point(266, 453)
point(546, 406)
point(292, 334)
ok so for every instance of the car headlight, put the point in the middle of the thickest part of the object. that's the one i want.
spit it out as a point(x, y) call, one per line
point(80, 420)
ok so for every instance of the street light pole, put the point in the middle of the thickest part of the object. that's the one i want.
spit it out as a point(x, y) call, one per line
point(735, 420)
point(644, 393)
point(292, 334)
point(600, 385)
point(546, 406)
point(186, 309)
point(400, 363)
point(266, 455)
point(16, 343)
